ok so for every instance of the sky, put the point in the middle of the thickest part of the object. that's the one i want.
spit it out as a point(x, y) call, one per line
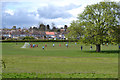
point(31, 13)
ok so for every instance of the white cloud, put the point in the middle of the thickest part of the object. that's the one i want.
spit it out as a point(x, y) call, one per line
point(26, 13)
point(11, 12)
point(25, 16)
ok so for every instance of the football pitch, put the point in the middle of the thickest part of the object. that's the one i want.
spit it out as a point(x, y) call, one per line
point(59, 62)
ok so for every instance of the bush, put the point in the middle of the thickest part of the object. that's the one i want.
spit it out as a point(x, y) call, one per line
point(28, 38)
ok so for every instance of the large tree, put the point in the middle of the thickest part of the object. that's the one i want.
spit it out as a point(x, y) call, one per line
point(101, 22)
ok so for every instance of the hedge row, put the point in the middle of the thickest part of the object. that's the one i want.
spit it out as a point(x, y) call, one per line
point(38, 41)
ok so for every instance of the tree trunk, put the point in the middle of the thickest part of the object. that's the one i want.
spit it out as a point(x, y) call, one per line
point(97, 47)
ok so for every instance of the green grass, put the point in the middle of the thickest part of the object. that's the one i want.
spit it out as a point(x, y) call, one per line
point(57, 62)
point(57, 75)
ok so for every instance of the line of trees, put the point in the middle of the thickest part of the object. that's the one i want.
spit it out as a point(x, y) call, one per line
point(43, 27)
point(99, 23)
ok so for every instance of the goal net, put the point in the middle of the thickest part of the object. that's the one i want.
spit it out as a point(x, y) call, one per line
point(26, 45)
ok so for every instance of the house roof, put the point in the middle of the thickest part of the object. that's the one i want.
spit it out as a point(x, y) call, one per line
point(50, 33)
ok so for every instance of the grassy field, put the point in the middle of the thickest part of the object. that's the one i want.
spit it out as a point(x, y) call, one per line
point(59, 62)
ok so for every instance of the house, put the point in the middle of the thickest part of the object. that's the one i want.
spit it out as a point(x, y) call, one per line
point(50, 35)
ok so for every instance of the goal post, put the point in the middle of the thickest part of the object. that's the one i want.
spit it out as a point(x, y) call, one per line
point(26, 45)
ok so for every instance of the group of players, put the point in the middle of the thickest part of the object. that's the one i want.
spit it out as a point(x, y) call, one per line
point(54, 45)
point(33, 45)
point(43, 47)
point(36, 45)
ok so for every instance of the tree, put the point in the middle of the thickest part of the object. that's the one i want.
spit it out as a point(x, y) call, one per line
point(53, 24)
point(14, 27)
point(76, 30)
point(53, 27)
point(61, 28)
point(30, 28)
point(42, 27)
point(19, 28)
point(101, 23)
point(116, 34)
point(34, 28)
point(48, 27)
point(65, 27)
point(58, 30)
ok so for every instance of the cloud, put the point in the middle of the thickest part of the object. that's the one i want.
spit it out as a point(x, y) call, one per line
point(20, 17)
point(52, 12)
point(23, 17)
point(9, 12)
point(28, 13)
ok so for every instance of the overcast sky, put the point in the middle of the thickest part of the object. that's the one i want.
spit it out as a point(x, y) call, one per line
point(26, 14)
